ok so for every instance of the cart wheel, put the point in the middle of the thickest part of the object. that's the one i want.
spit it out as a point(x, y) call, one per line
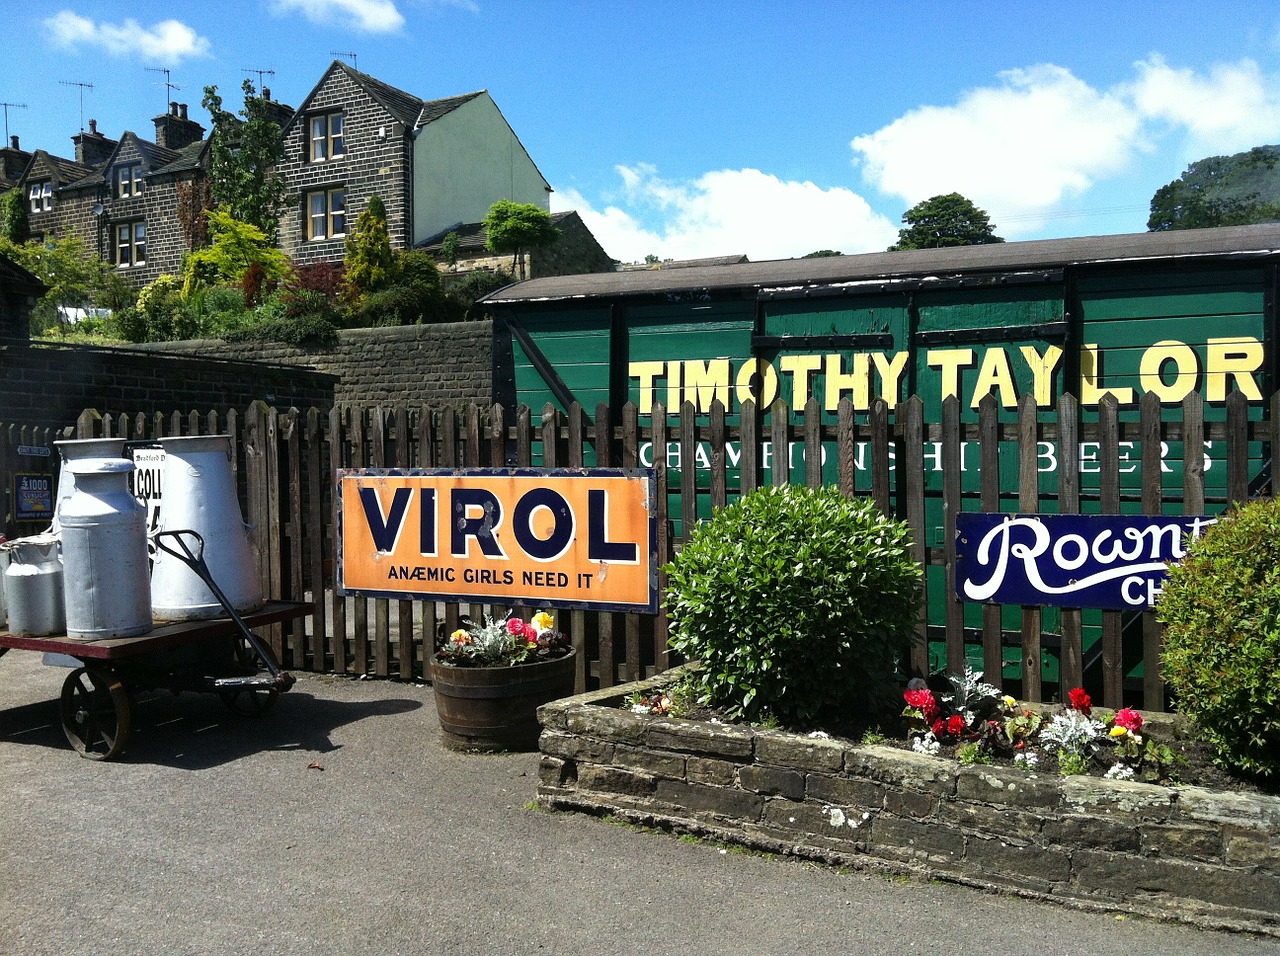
point(250, 701)
point(97, 715)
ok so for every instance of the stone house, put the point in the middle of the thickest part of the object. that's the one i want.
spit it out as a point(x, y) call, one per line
point(432, 162)
point(128, 200)
point(574, 253)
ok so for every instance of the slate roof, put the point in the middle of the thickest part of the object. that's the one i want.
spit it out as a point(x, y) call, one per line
point(15, 279)
point(921, 266)
point(412, 111)
point(473, 235)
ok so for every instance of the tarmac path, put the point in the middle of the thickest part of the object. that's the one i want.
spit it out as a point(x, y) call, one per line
point(338, 824)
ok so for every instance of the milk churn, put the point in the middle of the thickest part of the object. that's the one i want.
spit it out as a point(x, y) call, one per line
point(33, 586)
point(70, 450)
point(200, 496)
point(104, 552)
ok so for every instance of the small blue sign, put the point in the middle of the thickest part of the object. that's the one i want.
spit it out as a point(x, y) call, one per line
point(1113, 562)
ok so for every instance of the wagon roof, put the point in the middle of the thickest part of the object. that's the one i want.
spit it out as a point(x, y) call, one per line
point(916, 264)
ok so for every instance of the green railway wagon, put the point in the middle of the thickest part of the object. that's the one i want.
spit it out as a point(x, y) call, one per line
point(1127, 316)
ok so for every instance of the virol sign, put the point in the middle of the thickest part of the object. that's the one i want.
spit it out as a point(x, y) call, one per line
point(547, 537)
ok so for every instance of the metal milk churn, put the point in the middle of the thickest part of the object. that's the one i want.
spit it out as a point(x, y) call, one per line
point(73, 449)
point(200, 496)
point(104, 552)
point(33, 586)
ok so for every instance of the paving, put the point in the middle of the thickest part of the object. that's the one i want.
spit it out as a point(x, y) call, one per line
point(337, 823)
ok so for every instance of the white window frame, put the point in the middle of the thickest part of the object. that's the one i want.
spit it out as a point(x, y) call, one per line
point(131, 244)
point(129, 180)
point(326, 137)
point(322, 218)
point(41, 196)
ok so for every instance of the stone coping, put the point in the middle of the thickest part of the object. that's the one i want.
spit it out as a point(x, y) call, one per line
point(1199, 856)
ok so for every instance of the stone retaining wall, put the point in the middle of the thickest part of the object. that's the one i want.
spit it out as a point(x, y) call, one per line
point(1208, 858)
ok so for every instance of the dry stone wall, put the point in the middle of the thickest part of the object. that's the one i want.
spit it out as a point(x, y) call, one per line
point(1185, 853)
point(437, 365)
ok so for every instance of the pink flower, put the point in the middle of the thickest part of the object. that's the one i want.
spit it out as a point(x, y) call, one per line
point(515, 627)
point(1129, 719)
point(1079, 700)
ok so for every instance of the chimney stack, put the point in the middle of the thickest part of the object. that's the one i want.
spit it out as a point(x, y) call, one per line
point(174, 130)
point(13, 142)
point(92, 148)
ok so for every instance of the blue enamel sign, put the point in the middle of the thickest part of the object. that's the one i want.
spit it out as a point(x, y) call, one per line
point(1113, 562)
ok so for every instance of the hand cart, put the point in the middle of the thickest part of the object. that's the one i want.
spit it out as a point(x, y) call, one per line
point(220, 655)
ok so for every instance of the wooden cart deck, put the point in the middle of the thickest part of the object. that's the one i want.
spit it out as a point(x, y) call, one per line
point(160, 638)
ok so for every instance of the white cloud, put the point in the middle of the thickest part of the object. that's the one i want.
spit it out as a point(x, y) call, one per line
point(368, 16)
point(728, 212)
point(1233, 108)
point(1016, 149)
point(169, 41)
point(1039, 141)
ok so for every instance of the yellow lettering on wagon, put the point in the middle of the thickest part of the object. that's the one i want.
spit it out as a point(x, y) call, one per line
point(1185, 362)
point(646, 372)
point(995, 375)
point(800, 367)
point(704, 383)
point(891, 371)
point(1042, 368)
point(1091, 391)
point(766, 391)
point(949, 362)
point(1238, 358)
point(858, 382)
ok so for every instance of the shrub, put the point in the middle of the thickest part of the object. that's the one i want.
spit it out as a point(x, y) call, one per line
point(798, 603)
point(1221, 611)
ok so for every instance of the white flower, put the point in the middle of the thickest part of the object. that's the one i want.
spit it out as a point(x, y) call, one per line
point(836, 815)
point(819, 735)
point(928, 744)
point(1026, 761)
point(1119, 771)
point(639, 709)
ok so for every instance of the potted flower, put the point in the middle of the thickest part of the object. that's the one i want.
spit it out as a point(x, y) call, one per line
point(490, 679)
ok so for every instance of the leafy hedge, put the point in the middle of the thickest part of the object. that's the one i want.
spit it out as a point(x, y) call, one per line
point(1221, 611)
point(798, 603)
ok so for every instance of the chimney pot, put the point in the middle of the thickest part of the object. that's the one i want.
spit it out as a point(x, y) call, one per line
point(266, 93)
point(182, 110)
point(93, 127)
point(13, 141)
point(173, 108)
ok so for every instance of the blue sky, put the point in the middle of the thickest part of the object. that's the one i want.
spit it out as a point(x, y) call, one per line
point(686, 129)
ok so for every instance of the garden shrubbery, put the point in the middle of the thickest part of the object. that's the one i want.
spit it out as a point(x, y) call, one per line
point(798, 603)
point(1221, 611)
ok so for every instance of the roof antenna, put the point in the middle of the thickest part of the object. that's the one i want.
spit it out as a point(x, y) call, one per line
point(350, 56)
point(262, 75)
point(83, 87)
point(19, 106)
point(167, 84)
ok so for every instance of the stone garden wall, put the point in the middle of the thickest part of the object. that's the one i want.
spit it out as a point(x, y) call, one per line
point(1186, 853)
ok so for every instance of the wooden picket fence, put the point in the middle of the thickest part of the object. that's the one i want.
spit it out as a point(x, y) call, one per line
point(286, 460)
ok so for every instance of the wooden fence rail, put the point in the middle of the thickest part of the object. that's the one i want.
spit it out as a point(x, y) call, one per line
point(925, 473)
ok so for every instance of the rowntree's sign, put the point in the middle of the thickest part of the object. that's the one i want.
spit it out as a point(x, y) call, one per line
point(547, 537)
point(1113, 562)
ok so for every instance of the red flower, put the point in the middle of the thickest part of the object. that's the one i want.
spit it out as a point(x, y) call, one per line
point(515, 627)
point(919, 699)
point(939, 729)
point(955, 725)
point(1129, 719)
point(1079, 700)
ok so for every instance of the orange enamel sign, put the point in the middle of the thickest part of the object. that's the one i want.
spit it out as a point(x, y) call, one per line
point(548, 537)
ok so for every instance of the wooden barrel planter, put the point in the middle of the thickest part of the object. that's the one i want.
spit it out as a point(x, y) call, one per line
point(494, 708)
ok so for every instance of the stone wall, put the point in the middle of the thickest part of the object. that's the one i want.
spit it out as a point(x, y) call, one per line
point(1185, 853)
point(444, 364)
point(51, 385)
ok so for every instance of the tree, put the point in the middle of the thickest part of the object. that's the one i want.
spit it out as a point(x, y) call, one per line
point(516, 228)
point(75, 276)
point(13, 217)
point(1234, 190)
point(821, 254)
point(451, 250)
point(236, 247)
point(243, 155)
point(370, 261)
point(949, 220)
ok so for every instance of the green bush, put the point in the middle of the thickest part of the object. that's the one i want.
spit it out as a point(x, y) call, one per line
point(1221, 611)
point(798, 603)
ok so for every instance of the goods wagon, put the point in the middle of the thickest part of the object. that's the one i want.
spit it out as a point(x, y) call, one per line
point(1130, 315)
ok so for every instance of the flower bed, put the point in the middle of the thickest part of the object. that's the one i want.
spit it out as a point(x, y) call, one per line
point(1187, 853)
